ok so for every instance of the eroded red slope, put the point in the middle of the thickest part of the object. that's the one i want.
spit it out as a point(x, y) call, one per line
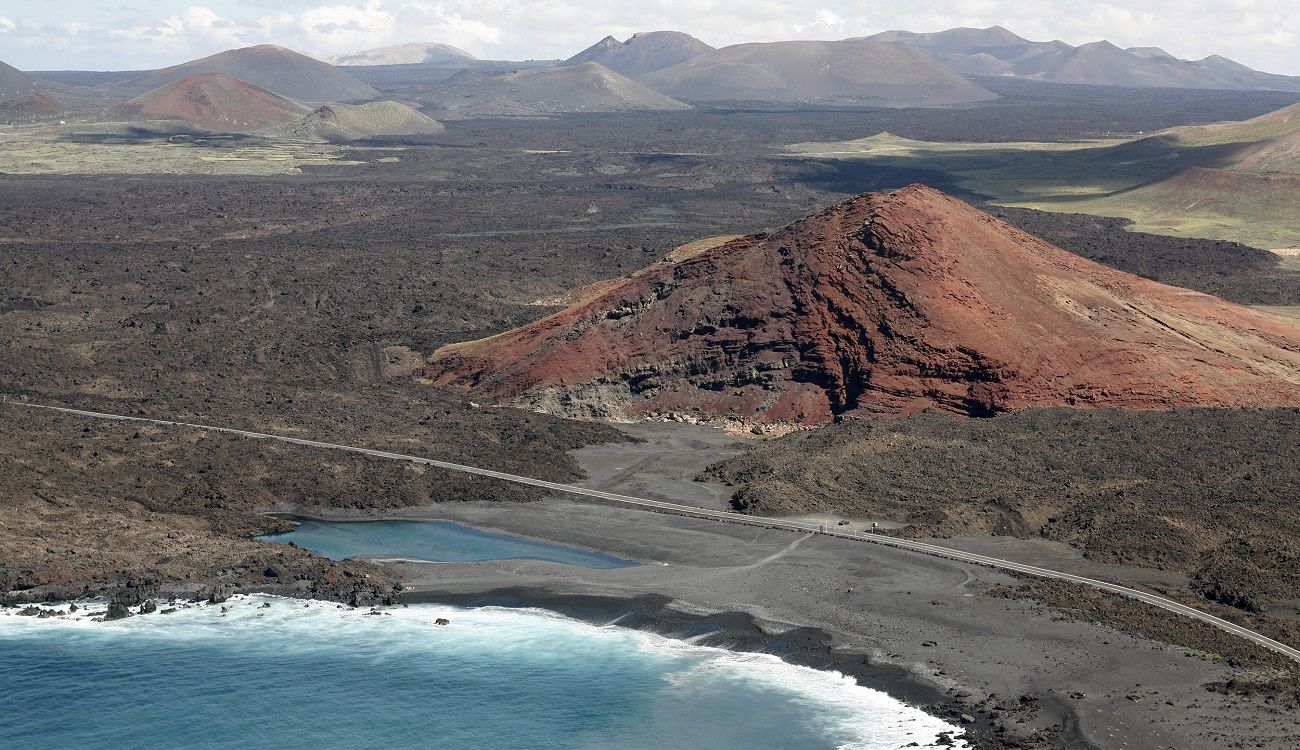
point(885, 303)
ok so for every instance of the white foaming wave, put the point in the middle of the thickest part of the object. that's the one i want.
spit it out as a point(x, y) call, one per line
point(869, 718)
point(866, 718)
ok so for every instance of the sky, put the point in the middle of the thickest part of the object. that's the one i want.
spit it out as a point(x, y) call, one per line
point(143, 34)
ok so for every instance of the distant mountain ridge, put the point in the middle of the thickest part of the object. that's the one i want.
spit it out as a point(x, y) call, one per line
point(997, 51)
point(643, 52)
point(843, 73)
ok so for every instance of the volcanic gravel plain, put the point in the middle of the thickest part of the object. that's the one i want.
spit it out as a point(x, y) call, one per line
point(302, 304)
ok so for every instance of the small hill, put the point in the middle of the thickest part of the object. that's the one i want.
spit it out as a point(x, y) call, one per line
point(29, 108)
point(996, 51)
point(274, 68)
point(1280, 154)
point(215, 102)
point(1258, 207)
point(15, 83)
point(1104, 64)
point(643, 53)
point(1262, 130)
point(345, 122)
point(851, 72)
point(404, 54)
point(587, 87)
point(1221, 64)
point(882, 304)
point(1232, 180)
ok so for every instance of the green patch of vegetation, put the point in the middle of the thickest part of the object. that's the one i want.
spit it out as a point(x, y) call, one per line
point(35, 152)
point(1290, 312)
point(1290, 260)
point(1189, 182)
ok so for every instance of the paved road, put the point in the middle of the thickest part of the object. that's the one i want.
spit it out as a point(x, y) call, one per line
point(772, 523)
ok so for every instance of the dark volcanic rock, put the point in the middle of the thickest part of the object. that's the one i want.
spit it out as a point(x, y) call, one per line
point(885, 303)
point(220, 594)
point(120, 606)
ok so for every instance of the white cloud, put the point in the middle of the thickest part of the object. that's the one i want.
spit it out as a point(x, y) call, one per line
point(438, 24)
point(7, 25)
point(165, 31)
point(342, 27)
point(204, 25)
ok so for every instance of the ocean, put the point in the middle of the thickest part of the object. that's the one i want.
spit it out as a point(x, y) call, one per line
point(271, 672)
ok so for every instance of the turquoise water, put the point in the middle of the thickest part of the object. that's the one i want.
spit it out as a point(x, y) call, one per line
point(314, 676)
point(435, 541)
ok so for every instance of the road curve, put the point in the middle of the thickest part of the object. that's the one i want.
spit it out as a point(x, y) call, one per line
point(687, 510)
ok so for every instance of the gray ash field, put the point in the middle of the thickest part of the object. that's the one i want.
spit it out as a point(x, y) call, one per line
point(302, 305)
point(1205, 494)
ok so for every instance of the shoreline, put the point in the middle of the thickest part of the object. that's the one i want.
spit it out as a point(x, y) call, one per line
point(741, 632)
point(809, 647)
point(730, 631)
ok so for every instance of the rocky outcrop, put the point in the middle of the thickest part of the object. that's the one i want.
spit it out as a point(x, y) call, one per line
point(220, 594)
point(882, 304)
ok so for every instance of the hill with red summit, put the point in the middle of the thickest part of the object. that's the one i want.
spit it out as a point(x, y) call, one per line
point(274, 68)
point(216, 102)
point(882, 304)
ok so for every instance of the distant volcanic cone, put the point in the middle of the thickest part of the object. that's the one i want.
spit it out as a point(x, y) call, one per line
point(886, 304)
point(214, 101)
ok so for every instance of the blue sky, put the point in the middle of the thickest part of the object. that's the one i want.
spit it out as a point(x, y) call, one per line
point(136, 34)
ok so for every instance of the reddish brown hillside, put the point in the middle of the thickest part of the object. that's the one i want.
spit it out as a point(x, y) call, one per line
point(885, 303)
point(29, 107)
point(214, 101)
